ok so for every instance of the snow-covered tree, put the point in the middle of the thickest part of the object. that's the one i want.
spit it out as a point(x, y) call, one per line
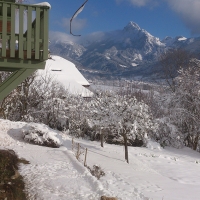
point(101, 112)
point(131, 118)
point(77, 114)
point(186, 104)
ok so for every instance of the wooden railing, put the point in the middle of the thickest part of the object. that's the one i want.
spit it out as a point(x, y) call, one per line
point(23, 31)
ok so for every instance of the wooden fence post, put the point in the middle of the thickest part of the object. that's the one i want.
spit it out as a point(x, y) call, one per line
point(78, 151)
point(85, 157)
point(72, 144)
point(126, 147)
point(101, 137)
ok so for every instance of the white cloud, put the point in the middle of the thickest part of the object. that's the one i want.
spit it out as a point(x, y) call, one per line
point(189, 11)
point(138, 3)
point(60, 36)
point(92, 37)
point(77, 24)
point(64, 37)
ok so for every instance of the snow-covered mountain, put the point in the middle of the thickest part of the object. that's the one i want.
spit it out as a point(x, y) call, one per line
point(190, 44)
point(129, 52)
point(67, 49)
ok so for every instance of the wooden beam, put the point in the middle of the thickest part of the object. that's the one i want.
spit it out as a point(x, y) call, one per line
point(12, 40)
point(37, 33)
point(4, 30)
point(13, 81)
point(29, 32)
point(45, 34)
point(21, 32)
point(19, 63)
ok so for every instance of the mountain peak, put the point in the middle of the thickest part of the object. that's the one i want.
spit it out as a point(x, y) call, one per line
point(132, 26)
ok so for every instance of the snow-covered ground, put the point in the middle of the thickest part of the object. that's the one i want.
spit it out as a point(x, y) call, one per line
point(153, 173)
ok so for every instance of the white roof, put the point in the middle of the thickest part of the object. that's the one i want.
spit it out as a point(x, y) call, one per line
point(66, 73)
point(68, 70)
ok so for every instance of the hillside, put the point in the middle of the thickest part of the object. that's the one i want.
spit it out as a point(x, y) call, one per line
point(54, 173)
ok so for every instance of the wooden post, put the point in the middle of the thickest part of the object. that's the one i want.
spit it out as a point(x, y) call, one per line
point(85, 157)
point(72, 144)
point(101, 137)
point(78, 151)
point(126, 147)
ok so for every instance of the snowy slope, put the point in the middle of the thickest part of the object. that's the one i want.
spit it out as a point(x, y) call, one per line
point(66, 73)
point(153, 173)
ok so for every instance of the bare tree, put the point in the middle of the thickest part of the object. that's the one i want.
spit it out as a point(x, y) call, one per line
point(186, 104)
point(171, 61)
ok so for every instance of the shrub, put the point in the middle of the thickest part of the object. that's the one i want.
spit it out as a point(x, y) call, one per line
point(96, 171)
point(41, 135)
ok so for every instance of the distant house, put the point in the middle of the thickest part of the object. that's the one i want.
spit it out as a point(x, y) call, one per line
point(66, 73)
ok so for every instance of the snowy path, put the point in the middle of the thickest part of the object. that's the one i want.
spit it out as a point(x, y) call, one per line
point(58, 177)
point(56, 174)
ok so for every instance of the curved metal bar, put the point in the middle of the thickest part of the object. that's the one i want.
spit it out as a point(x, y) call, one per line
point(80, 9)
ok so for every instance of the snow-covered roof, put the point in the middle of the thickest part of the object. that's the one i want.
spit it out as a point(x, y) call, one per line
point(67, 70)
point(66, 73)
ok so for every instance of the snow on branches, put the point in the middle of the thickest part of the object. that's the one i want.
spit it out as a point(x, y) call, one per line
point(124, 113)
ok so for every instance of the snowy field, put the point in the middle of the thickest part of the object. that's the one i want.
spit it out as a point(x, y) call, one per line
point(153, 173)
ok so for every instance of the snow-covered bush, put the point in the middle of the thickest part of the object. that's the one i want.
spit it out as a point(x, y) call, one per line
point(52, 112)
point(41, 135)
point(168, 134)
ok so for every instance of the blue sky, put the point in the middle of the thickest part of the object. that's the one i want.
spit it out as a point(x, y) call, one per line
point(159, 17)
